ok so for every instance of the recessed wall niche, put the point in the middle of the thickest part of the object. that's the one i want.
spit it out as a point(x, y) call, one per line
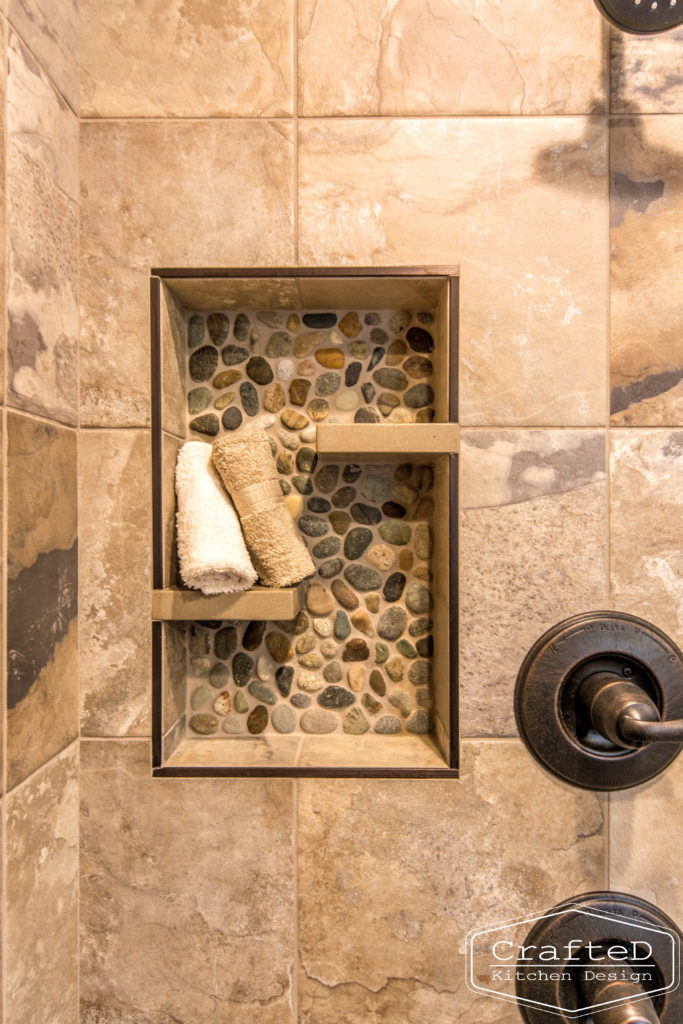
point(352, 374)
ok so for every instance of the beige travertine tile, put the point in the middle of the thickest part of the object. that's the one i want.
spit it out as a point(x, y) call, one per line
point(42, 895)
point(51, 29)
point(393, 875)
point(647, 241)
point(115, 580)
point(646, 831)
point(646, 73)
point(521, 204)
point(42, 230)
point(533, 551)
point(42, 593)
point(198, 874)
point(646, 531)
point(449, 57)
point(200, 59)
point(187, 194)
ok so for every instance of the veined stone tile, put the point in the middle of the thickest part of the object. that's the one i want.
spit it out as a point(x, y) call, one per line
point(203, 59)
point(533, 551)
point(51, 29)
point(405, 57)
point(646, 73)
point(520, 204)
point(178, 194)
point(647, 241)
point(41, 924)
point(646, 831)
point(646, 533)
point(42, 228)
point(114, 520)
point(384, 911)
point(42, 593)
point(212, 907)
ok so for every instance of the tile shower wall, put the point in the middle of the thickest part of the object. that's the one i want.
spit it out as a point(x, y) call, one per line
point(39, 389)
point(332, 133)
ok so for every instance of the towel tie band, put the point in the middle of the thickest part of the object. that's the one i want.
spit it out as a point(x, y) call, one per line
point(257, 497)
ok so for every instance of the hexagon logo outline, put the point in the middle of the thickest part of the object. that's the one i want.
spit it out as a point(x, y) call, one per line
point(578, 909)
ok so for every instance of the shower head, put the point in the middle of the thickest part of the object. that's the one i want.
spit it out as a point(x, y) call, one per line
point(642, 17)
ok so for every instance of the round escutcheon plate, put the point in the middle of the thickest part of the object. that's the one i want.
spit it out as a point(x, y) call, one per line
point(550, 718)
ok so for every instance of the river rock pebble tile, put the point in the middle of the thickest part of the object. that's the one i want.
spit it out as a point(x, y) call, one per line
point(367, 526)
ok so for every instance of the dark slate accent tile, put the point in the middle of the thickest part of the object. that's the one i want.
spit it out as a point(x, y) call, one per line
point(42, 603)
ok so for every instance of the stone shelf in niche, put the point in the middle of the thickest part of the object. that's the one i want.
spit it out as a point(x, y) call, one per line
point(352, 373)
point(265, 603)
point(393, 439)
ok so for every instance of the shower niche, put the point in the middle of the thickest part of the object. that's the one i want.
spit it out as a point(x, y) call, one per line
point(352, 373)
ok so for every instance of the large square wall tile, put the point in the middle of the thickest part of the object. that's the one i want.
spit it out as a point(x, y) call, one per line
point(200, 59)
point(187, 894)
point(41, 916)
point(449, 57)
point(168, 193)
point(393, 876)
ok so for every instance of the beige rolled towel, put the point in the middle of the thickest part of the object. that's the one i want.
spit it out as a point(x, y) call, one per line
point(246, 466)
point(211, 550)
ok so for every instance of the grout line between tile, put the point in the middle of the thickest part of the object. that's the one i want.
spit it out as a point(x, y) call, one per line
point(417, 116)
point(91, 428)
point(108, 739)
point(192, 119)
point(592, 427)
point(41, 418)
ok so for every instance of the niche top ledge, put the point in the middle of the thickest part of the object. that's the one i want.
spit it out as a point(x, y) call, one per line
point(418, 288)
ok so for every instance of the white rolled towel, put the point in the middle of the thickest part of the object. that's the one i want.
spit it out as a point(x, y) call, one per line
point(211, 550)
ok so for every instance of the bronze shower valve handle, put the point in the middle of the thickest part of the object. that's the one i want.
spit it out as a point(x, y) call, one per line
point(623, 712)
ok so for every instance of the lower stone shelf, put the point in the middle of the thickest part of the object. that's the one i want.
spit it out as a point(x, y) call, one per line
point(262, 603)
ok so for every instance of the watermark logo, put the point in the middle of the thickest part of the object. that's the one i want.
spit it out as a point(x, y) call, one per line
point(562, 969)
